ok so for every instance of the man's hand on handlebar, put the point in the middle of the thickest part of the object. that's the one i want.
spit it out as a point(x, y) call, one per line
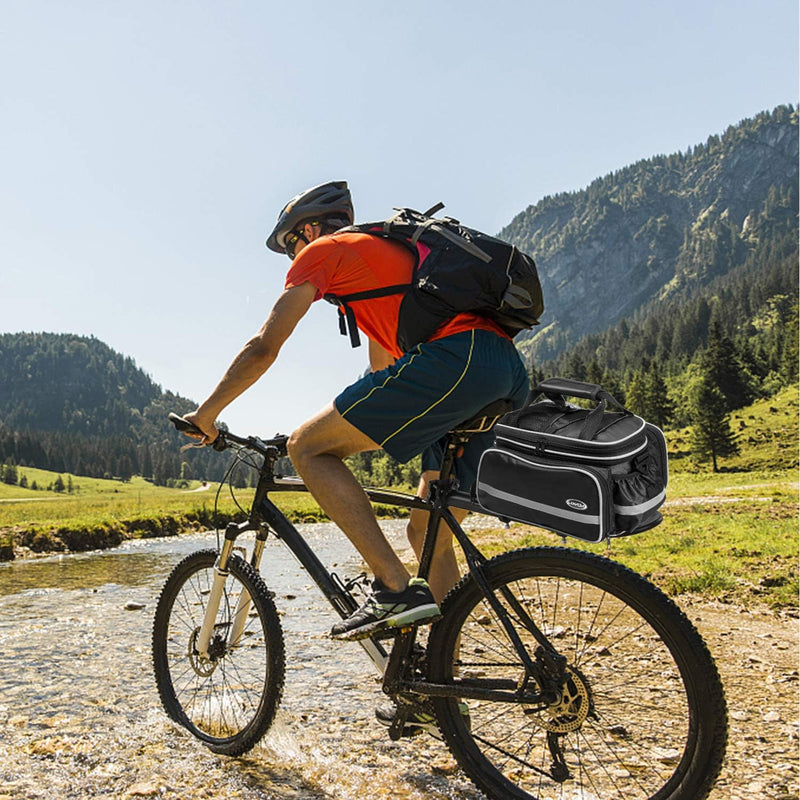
point(206, 433)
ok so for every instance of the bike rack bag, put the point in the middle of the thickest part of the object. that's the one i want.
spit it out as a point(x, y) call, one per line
point(588, 473)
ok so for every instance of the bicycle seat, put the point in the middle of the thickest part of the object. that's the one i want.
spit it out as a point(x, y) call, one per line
point(485, 419)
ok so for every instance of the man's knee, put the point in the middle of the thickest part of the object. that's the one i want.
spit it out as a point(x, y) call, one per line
point(304, 443)
point(296, 445)
point(327, 434)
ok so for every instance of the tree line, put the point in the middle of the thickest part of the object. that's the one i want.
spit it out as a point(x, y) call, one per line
point(659, 228)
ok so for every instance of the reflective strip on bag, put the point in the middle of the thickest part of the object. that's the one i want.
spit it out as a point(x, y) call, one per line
point(641, 508)
point(553, 511)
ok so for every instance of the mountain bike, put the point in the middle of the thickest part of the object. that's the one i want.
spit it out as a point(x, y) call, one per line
point(552, 672)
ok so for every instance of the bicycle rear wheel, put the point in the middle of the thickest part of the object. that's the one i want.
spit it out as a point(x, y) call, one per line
point(641, 714)
point(229, 699)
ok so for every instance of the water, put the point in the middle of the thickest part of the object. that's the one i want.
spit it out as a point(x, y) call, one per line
point(80, 716)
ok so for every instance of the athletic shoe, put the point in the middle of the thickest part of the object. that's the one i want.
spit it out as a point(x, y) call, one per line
point(384, 609)
point(417, 722)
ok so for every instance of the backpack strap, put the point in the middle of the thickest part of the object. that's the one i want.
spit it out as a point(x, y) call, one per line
point(419, 223)
point(433, 209)
point(347, 319)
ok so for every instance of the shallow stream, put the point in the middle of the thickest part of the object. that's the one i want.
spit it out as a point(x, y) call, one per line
point(80, 716)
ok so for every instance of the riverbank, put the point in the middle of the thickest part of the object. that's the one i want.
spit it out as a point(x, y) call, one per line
point(106, 518)
point(726, 536)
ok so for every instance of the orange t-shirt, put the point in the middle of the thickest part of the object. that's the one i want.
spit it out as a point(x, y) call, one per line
point(344, 263)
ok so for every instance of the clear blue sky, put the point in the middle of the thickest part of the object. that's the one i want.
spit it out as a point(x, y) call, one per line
point(146, 147)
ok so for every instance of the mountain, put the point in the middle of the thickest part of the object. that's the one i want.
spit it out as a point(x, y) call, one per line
point(72, 404)
point(660, 229)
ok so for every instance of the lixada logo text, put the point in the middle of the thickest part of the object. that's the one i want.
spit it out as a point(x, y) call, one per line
point(578, 505)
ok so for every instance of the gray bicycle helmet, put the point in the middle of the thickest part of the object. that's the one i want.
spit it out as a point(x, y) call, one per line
point(327, 200)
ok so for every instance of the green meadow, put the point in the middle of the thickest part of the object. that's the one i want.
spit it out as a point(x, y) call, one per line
point(731, 535)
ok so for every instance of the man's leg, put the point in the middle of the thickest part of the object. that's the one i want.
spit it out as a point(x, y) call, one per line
point(317, 449)
point(444, 568)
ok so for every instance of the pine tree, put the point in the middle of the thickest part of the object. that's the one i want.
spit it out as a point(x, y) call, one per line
point(711, 435)
point(612, 384)
point(636, 395)
point(594, 373)
point(721, 362)
point(658, 407)
point(790, 357)
point(9, 475)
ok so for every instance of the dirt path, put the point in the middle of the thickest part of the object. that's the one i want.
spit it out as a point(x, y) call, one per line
point(757, 655)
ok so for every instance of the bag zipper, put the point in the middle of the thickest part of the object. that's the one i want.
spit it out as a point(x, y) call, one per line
point(539, 447)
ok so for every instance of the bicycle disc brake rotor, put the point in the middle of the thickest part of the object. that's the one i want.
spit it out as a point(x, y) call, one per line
point(216, 651)
point(570, 710)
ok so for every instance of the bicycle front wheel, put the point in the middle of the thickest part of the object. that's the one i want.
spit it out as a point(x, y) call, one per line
point(228, 698)
point(640, 713)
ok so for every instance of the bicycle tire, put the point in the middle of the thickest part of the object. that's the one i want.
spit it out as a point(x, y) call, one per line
point(642, 714)
point(229, 700)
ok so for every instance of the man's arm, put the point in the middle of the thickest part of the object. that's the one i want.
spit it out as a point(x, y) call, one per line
point(378, 357)
point(256, 356)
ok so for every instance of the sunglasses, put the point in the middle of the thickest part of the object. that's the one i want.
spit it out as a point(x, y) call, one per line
point(290, 242)
point(292, 238)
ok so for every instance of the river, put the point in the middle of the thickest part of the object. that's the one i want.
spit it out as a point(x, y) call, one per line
point(80, 716)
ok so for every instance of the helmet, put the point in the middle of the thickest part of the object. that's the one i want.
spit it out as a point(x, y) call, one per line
point(326, 200)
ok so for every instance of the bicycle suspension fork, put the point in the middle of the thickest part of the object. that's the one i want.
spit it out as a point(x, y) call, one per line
point(221, 572)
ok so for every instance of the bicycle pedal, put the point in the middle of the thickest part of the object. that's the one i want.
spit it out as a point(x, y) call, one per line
point(398, 725)
point(384, 634)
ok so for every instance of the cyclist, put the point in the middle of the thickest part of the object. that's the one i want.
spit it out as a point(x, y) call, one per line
point(405, 405)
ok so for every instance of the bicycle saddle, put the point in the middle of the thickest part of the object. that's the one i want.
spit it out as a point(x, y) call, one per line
point(485, 419)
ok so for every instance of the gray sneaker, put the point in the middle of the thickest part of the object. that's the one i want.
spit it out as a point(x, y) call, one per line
point(384, 609)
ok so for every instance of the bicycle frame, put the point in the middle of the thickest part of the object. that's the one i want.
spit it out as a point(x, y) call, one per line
point(265, 516)
point(545, 666)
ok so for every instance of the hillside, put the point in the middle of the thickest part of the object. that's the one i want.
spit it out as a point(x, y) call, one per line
point(660, 229)
point(72, 404)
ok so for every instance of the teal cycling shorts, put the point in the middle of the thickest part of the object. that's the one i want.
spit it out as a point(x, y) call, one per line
point(408, 407)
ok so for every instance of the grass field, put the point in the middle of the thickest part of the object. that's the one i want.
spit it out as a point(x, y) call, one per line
point(99, 513)
point(95, 501)
point(732, 535)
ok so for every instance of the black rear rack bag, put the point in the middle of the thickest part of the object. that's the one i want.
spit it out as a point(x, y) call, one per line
point(588, 473)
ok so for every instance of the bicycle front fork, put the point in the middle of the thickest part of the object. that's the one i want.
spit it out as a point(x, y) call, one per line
point(204, 637)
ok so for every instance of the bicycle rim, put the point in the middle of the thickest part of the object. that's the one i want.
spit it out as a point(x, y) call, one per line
point(229, 699)
point(641, 715)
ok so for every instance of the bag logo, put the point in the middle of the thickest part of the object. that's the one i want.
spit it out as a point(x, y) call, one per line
point(578, 505)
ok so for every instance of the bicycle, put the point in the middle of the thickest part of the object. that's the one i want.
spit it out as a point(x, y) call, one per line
point(552, 672)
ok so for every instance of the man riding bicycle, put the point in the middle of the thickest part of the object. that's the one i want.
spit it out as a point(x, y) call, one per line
point(406, 404)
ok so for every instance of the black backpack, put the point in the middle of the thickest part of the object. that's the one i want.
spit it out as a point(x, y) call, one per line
point(456, 269)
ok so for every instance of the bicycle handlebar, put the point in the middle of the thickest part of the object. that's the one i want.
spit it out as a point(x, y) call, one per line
point(271, 447)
